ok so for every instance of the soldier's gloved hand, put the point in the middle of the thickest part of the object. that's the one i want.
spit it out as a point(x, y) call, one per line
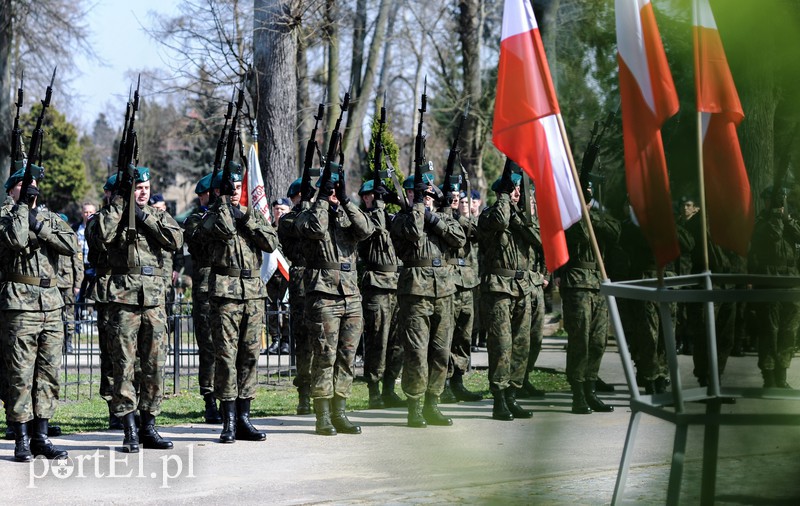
point(419, 192)
point(139, 213)
point(31, 195)
point(381, 192)
point(237, 213)
point(506, 184)
point(307, 191)
point(341, 192)
point(391, 198)
point(430, 218)
point(326, 189)
point(34, 224)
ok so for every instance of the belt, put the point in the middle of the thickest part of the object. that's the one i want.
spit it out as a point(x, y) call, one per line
point(380, 268)
point(461, 262)
point(583, 265)
point(234, 273)
point(425, 262)
point(344, 266)
point(508, 273)
point(28, 280)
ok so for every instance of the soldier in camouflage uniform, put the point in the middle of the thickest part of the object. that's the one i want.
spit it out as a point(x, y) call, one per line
point(507, 240)
point(425, 295)
point(772, 252)
point(136, 316)
point(31, 240)
point(465, 277)
point(539, 283)
point(236, 239)
point(292, 247)
point(70, 278)
point(201, 301)
point(585, 309)
point(383, 358)
point(332, 229)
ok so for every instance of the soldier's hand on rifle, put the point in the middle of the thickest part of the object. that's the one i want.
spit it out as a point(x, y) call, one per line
point(430, 218)
point(31, 195)
point(307, 191)
point(506, 184)
point(326, 189)
point(381, 192)
point(34, 224)
point(341, 191)
point(237, 213)
point(140, 216)
point(419, 192)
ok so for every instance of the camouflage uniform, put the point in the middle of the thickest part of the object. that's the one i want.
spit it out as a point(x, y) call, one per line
point(585, 309)
point(539, 275)
point(773, 252)
point(70, 278)
point(425, 292)
point(507, 241)
point(383, 359)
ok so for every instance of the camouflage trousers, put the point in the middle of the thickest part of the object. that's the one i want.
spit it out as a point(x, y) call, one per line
point(68, 313)
point(334, 325)
point(201, 318)
point(646, 340)
point(300, 338)
point(509, 338)
point(106, 362)
point(724, 322)
point(425, 325)
point(479, 315)
point(380, 320)
point(537, 325)
point(586, 323)
point(236, 326)
point(138, 340)
point(778, 328)
point(463, 319)
point(33, 344)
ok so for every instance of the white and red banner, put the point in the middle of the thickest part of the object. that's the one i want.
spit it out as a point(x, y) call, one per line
point(729, 203)
point(526, 127)
point(648, 100)
point(254, 195)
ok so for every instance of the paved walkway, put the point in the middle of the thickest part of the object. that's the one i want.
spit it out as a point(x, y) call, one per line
point(554, 458)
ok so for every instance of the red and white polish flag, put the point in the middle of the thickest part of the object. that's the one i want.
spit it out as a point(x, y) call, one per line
point(648, 100)
point(728, 198)
point(526, 127)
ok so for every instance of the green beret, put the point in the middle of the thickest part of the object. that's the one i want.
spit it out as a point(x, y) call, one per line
point(236, 175)
point(334, 177)
point(203, 185)
point(142, 174)
point(515, 179)
point(294, 188)
point(408, 183)
point(453, 187)
point(37, 173)
point(110, 183)
point(367, 187)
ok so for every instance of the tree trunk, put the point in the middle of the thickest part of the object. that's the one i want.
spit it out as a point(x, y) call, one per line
point(6, 29)
point(332, 37)
point(470, 26)
point(274, 58)
point(303, 101)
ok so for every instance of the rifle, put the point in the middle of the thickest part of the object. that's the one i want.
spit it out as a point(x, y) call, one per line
point(307, 192)
point(36, 139)
point(212, 196)
point(127, 170)
point(225, 187)
point(335, 143)
point(455, 152)
point(593, 149)
point(16, 133)
point(377, 146)
point(419, 142)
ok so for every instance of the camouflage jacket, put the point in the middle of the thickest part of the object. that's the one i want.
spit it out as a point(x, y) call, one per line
point(538, 268)
point(331, 239)
point(199, 250)
point(417, 242)
point(33, 256)
point(582, 271)
point(772, 249)
point(70, 270)
point(98, 258)
point(507, 240)
point(377, 251)
point(140, 280)
point(236, 251)
point(292, 247)
point(464, 259)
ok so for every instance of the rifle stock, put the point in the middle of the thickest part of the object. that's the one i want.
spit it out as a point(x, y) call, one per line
point(221, 146)
point(225, 187)
point(16, 132)
point(334, 146)
point(35, 148)
point(308, 161)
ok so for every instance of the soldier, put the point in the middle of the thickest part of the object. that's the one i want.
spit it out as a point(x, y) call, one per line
point(136, 315)
point(70, 278)
point(236, 239)
point(292, 247)
point(425, 291)
point(201, 303)
point(465, 270)
point(539, 284)
point(585, 309)
point(383, 358)
point(333, 226)
point(773, 252)
point(507, 239)
point(31, 239)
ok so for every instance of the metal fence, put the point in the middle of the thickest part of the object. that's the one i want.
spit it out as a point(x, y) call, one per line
point(81, 365)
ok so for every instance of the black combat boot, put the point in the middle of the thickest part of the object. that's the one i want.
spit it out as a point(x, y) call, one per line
point(390, 398)
point(431, 411)
point(447, 397)
point(114, 423)
point(500, 409)
point(602, 386)
point(274, 348)
point(513, 406)
point(22, 447)
point(769, 378)
point(40, 444)
point(649, 387)
point(148, 434)
point(285, 349)
point(228, 434)
point(10, 430)
point(460, 391)
point(212, 413)
point(579, 404)
point(304, 400)
point(339, 418)
point(415, 418)
point(244, 428)
point(54, 430)
point(130, 442)
point(322, 408)
point(593, 401)
point(375, 399)
point(780, 378)
point(528, 390)
point(660, 385)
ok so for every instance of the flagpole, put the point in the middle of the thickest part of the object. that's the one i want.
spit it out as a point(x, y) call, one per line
point(700, 169)
point(584, 211)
